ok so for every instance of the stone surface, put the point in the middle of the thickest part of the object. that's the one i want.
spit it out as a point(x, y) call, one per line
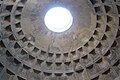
point(89, 50)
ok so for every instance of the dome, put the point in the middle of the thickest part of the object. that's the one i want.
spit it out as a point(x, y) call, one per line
point(59, 39)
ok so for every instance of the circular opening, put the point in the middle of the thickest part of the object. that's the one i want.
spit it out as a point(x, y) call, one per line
point(58, 19)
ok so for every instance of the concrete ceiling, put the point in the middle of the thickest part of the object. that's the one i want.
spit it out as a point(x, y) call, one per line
point(89, 50)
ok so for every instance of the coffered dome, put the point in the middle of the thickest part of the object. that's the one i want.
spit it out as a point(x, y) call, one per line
point(88, 50)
